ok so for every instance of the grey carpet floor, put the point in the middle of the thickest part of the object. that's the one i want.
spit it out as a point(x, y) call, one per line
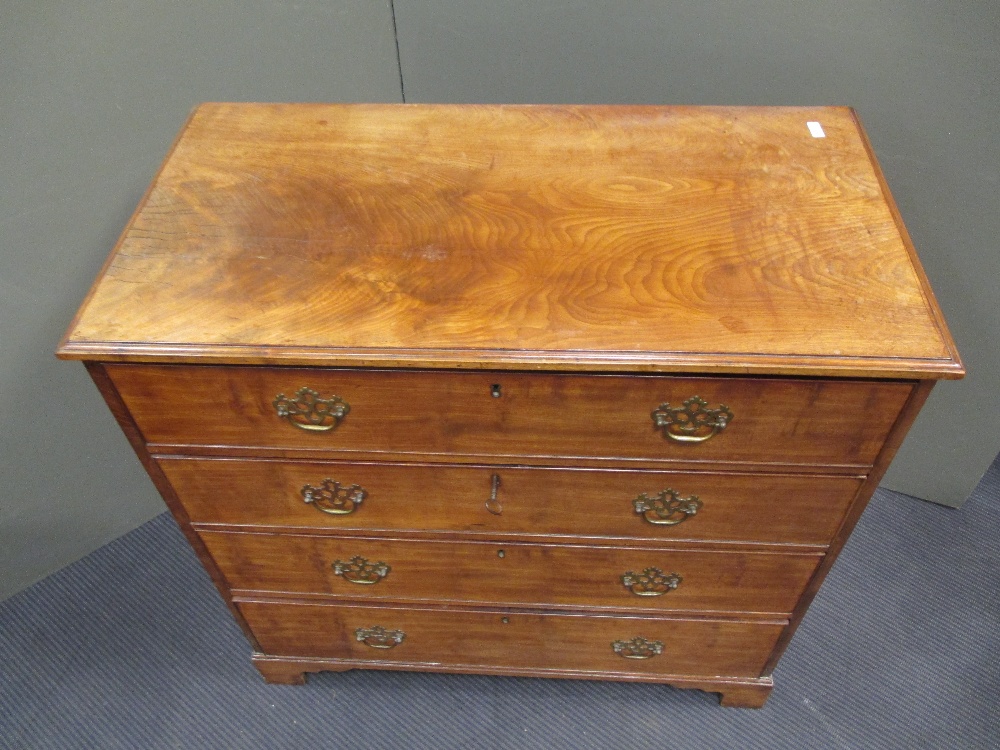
point(132, 648)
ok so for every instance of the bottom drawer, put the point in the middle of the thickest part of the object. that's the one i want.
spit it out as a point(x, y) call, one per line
point(474, 638)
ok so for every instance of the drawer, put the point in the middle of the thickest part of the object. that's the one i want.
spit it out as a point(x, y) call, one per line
point(511, 414)
point(582, 643)
point(543, 502)
point(513, 574)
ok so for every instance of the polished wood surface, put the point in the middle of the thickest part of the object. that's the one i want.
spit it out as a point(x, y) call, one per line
point(558, 416)
point(553, 576)
point(173, 503)
point(548, 503)
point(702, 647)
point(892, 443)
point(564, 237)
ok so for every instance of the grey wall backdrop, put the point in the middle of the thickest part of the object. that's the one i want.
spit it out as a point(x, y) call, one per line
point(92, 93)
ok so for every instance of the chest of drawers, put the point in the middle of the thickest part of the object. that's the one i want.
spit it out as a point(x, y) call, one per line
point(559, 391)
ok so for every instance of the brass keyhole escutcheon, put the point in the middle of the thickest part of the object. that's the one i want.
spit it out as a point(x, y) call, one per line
point(505, 620)
point(501, 554)
point(495, 390)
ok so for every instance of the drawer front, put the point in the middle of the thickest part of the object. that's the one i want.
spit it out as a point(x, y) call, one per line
point(582, 643)
point(548, 416)
point(513, 574)
point(528, 501)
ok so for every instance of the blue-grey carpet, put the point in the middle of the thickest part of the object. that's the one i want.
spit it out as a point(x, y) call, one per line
point(132, 648)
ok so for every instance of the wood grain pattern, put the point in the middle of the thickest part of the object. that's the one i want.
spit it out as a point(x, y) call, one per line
point(176, 508)
point(793, 421)
point(625, 238)
point(526, 641)
point(550, 503)
point(892, 443)
point(553, 576)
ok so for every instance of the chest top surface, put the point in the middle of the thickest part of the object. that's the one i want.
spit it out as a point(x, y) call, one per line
point(605, 238)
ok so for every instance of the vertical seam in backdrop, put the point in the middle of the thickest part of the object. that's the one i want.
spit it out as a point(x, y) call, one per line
point(399, 61)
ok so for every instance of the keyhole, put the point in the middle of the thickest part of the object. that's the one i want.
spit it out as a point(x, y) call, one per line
point(501, 554)
point(495, 390)
point(504, 620)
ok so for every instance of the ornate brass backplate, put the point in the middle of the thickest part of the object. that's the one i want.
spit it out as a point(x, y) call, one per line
point(637, 648)
point(359, 570)
point(308, 411)
point(692, 422)
point(379, 637)
point(667, 508)
point(651, 582)
point(330, 497)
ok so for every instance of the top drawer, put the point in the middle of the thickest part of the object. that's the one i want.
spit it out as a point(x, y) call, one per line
point(512, 414)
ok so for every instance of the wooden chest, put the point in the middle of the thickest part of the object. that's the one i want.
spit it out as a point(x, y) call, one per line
point(555, 391)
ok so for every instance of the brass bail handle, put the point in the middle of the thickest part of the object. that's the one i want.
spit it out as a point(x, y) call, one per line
point(334, 498)
point(307, 411)
point(379, 637)
point(693, 421)
point(360, 571)
point(637, 648)
point(651, 582)
point(666, 508)
point(493, 505)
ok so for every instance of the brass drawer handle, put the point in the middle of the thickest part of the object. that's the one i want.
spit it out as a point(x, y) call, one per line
point(308, 411)
point(330, 497)
point(379, 637)
point(692, 422)
point(637, 648)
point(651, 582)
point(359, 570)
point(493, 505)
point(667, 508)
